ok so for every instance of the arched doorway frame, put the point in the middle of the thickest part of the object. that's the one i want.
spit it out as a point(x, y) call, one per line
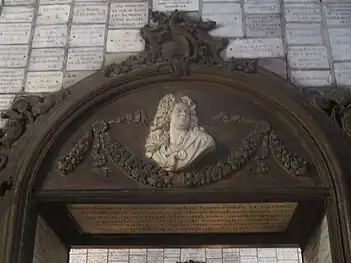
point(46, 119)
point(25, 169)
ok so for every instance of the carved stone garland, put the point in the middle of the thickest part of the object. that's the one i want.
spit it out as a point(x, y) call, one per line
point(261, 143)
point(178, 40)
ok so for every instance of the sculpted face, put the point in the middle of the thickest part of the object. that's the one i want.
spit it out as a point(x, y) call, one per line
point(180, 117)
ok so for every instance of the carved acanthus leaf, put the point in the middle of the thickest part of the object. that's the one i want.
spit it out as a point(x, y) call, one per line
point(257, 145)
point(23, 112)
point(336, 102)
point(177, 40)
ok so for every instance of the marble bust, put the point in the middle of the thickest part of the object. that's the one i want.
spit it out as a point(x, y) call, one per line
point(175, 139)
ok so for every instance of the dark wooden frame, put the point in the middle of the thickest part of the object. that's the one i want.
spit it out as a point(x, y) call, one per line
point(326, 143)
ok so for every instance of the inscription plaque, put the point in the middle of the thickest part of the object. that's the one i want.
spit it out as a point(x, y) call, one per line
point(50, 36)
point(17, 14)
point(17, 33)
point(193, 254)
point(118, 255)
point(254, 48)
point(89, 1)
point(77, 258)
point(221, 1)
point(185, 218)
point(87, 35)
point(212, 253)
point(343, 73)
point(305, 1)
point(49, 81)
point(262, 6)
point(11, 80)
point(303, 33)
point(155, 255)
point(308, 57)
point(6, 100)
point(311, 78)
point(263, 26)
point(13, 56)
point(90, 14)
point(46, 59)
point(98, 257)
point(171, 5)
point(340, 40)
point(85, 58)
point(338, 14)
point(53, 14)
point(171, 253)
point(71, 78)
point(228, 17)
point(19, 2)
point(302, 12)
point(124, 41)
point(54, 2)
point(128, 15)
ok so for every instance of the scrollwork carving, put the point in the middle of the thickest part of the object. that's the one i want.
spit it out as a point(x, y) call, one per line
point(336, 102)
point(178, 40)
point(23, 113)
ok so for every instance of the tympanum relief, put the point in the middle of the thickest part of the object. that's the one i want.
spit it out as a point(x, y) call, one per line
point(175, 141)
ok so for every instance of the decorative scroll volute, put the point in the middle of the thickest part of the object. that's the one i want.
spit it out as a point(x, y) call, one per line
point(22, 114)
point(336, 102)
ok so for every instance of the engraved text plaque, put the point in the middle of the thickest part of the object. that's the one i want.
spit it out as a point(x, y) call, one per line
point(184, 218)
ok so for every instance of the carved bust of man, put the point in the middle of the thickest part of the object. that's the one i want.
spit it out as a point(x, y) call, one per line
point(175, 140)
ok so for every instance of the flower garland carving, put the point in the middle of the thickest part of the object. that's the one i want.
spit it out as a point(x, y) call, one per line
point(258, 146)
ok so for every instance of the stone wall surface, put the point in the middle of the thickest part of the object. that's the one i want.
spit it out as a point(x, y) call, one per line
point(48, 247)
point(318, 249)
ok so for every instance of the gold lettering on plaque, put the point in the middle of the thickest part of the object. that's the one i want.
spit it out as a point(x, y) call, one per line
point(183, 218)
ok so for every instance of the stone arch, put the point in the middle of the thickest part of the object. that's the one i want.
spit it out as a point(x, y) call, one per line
point(36, 124)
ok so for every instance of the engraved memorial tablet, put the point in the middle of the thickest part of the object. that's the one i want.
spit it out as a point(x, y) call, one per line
point(176, 140)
